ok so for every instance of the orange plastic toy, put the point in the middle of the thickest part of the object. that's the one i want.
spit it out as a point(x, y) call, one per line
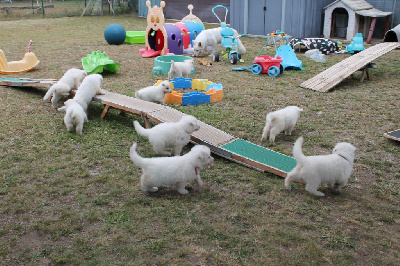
point(30, 61)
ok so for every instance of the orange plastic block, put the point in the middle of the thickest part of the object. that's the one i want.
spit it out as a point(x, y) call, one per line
point(173, 98)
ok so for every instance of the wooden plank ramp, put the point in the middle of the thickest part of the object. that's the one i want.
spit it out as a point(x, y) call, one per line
point(219, 142)
point(326, 80)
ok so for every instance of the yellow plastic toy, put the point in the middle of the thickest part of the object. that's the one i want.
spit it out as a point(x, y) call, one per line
point(30, 61)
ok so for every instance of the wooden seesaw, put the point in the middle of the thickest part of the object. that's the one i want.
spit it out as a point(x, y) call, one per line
point(220, 142)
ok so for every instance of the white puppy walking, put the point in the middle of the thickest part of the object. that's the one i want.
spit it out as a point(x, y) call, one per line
point(167, 171)
point(181, 69)
point(71, 80)
point(333, 169)
point(154, 93)
point(282, 120)
point(90, 86)
point(173, 135)
point(74, 116)
point(212, 37)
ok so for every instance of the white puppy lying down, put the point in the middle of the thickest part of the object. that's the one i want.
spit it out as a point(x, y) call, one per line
point(69, 81)
point(90, 86)
point(181, 69)
point(167, 171)
point(212, 37)
point(283, 119)
point(154, 93)
point(175, 135)
point(74, 116)
point(333, 169)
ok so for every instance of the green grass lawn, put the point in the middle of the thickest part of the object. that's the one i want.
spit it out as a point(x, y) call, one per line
point(68, 199)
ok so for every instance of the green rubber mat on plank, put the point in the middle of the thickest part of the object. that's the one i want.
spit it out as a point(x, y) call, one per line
point(394, 134)
point(13, 79)
point(261, 155)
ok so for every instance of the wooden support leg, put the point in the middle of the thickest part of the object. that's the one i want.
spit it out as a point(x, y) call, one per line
point(145, 119)
point(105, 110)
point(365, 73)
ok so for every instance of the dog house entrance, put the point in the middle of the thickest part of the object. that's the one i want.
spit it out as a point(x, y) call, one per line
point(340, 19)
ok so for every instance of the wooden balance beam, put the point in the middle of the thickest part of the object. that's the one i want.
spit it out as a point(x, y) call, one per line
point(326, 80)
point(219, 142)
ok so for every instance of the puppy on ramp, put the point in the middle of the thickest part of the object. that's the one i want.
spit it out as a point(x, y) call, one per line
point(168, 171)
point(69, 81)
point(75, 116)
point(282, 120)
point(175, 135)
point(181, 69)
point(154, 93)
point(90, 86)
point(212, 37)
point(333, 169)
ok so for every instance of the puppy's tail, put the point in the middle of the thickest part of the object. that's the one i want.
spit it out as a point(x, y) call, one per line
point(50, 92)
point(297, 151)
point(139, 129)
point(135, 157)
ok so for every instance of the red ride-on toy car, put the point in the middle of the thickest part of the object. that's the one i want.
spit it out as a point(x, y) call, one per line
point(266, 64)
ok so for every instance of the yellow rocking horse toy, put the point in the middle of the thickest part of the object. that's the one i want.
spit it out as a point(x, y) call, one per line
point(30, 61)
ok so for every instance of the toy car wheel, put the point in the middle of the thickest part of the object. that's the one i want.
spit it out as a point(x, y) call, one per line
point(281, 68)
point(215, 57)
point(234, 59)
point(256, 69)
point(273, 71)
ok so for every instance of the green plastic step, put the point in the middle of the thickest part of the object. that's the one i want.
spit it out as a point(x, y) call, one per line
point(262, 155)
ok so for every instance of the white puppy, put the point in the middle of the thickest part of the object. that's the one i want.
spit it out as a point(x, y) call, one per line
point(333, 169)
point(212, 37)
point(69, 81)
point(154, 93)
point(167, 171)
point(74, 116)
point(181, 69)
point(173, 135)
point(90, 86)
point(284, 119)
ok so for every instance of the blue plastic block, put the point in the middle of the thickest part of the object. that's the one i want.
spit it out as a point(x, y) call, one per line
point(182, 83)
point(195, 98)
point(215, 86)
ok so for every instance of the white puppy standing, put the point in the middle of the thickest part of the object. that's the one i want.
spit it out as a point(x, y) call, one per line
point(90, 86)
point(181, 69)
point(74, 116)
point(333, 169)
point(212, 37)
point(173, 135)
point(71, 80)
point(282, 120)
point(167, 171)
point(154, 93)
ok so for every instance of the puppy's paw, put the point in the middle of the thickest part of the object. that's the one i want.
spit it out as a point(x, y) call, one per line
point(288, 188)
point(183, 191)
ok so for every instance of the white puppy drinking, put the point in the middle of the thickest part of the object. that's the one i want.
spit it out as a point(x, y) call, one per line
point(282, 120)
point(212, 37)
point(69, 81)
point(173, 135)
point(168, 171)
point(75, 116)
point(181, 69)
point(154, 93)
point(333, 169)
point(90, 86)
